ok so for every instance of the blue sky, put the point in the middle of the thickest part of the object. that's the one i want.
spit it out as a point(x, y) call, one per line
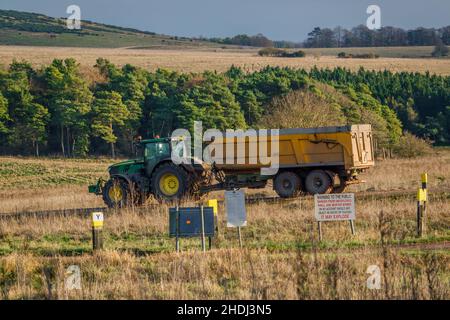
point(279, 20)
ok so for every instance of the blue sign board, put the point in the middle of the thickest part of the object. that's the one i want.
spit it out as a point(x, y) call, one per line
point(190, 222)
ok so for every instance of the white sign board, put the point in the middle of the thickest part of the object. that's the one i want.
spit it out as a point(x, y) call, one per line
point(334, 207)
point(235, 205)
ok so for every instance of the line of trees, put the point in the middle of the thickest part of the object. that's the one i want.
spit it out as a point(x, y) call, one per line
point(361, 36)
point(54, 110)
point(258, 40)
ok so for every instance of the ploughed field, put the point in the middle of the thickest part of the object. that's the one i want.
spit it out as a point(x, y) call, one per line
point(281, 259)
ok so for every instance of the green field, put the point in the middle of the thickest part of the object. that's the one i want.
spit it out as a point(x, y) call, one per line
point(22, 28)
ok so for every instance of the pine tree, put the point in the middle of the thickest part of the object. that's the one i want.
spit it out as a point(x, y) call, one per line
point(108, 111)
point(69, 100)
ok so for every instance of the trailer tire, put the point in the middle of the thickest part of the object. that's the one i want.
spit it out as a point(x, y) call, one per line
point(287, 184)
point(318, 182)
point(169, 182)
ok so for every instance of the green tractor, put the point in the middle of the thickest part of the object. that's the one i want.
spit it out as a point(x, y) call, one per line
point(153, 172)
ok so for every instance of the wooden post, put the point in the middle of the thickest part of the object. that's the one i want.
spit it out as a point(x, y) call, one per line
point(97, 231)
point(177, 232)
point(319, 227)
point(239, 236)
point(203, 229)
point(352, 227)
point(419, 218)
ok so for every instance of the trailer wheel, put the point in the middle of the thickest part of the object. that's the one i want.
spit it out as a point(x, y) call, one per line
point(318, 182)
point(287, 184)
point(169, 182)
point(116, 193)
point(341, 188)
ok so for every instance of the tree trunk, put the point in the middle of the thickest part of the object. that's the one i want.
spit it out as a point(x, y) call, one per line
point(112, 143)
point(112, 150)
point(37, 149)
point(68, 142)
point(73, 145)
point(62, 141)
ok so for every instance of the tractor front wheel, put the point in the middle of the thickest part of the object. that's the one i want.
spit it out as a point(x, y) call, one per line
point(116, 193)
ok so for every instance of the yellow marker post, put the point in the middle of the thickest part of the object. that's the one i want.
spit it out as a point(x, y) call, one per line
point(215, 205)
point(421, 195)
point(422, 199)
point(97, 230)
point(424, 180)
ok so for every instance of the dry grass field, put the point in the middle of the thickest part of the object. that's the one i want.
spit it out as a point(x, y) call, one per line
point(191, 60)
point(31, 184)
point(282, 257)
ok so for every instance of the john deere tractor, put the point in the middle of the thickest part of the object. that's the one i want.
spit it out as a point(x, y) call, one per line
point(154, 173)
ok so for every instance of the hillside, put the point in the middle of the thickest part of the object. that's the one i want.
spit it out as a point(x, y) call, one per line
point(23, 28)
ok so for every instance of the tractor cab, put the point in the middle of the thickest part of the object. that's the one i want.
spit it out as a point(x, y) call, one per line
point(155, 151)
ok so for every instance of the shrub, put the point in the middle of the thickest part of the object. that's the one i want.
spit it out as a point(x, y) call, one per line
point(270, 52)
point(296, 54)
point(357, 56)
point(275, 52)
point(410, 146)
point(440, 50)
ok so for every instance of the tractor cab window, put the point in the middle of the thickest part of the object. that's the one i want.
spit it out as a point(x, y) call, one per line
point(157, 150)
point(179, 149)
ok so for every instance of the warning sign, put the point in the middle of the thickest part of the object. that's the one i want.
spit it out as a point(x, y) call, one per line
point(334, 207)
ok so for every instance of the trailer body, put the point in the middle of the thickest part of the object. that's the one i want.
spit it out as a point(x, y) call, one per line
point(348, 147)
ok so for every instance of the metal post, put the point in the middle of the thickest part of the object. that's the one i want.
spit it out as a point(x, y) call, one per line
point(203, 229)
point(177, 232)
point(352, 227)
point(319, 227)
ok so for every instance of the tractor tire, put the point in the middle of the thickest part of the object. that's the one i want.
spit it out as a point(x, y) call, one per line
point(318, 182)
point(116, 193)
point(169, 182)
point(287, 184)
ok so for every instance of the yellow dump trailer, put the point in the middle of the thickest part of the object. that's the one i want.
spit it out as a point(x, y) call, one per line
point(312, 160)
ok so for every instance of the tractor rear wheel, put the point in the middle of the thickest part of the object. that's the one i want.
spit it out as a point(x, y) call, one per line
point(318, 182)
point(169, 182)
point(287, 184)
